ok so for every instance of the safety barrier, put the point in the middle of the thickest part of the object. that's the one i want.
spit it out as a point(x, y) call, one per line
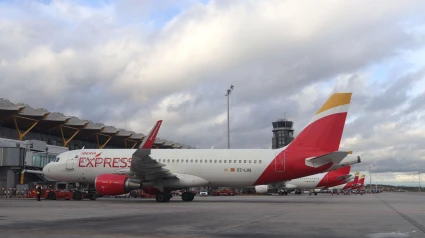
point(14, 193)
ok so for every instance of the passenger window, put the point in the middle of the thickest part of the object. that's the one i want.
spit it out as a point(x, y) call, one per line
point(219, 161)
point(255, 161)
point(196, 161)
point(172, 161)
point(210, 160)
point(259, 161)
point(159, 160)
point(240, 161)
point(224, 161)
point(244, 161)
point(249, 161)
point(168, 161)
point(187, 161)
point(177, 161)
point(191, 161)
point(234, 161)
point(215, 161)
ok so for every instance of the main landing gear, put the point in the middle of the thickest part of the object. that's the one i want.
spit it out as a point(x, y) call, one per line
point(187, 196)
point(163, 197)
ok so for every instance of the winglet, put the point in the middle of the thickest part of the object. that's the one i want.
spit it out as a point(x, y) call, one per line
point(150, 138)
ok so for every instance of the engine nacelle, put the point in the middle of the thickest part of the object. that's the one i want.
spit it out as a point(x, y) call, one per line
point(115, 184)
point(289, 186)
point(262, 189)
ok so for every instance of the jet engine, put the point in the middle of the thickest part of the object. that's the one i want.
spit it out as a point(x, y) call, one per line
point(115, 184)
point(262, 189)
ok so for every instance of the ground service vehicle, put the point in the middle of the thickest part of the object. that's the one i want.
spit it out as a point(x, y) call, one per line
point(223, 192)
point(62, 190)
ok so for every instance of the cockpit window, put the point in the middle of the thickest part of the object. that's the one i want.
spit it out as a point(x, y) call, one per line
point(57, 159)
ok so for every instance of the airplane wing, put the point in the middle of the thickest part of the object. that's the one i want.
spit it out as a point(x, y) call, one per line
point(143, 167)
point(334, 157)
point(146, 169)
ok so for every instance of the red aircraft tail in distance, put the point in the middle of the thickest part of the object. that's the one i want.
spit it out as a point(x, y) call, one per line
point(356, 178)
point(335, 177)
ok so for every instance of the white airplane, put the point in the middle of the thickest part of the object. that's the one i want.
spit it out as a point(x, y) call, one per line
point(160, 171)
point(313, 183)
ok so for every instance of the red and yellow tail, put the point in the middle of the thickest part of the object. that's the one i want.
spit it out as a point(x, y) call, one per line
point(361, 180)
point(356, 178)
point(323, 133)
point(341, 171)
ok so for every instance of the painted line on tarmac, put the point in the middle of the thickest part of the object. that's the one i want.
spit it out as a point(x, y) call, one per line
point(76, 232)
point(407, 218)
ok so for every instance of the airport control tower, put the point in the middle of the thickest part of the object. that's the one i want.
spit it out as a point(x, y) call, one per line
point(283, 133)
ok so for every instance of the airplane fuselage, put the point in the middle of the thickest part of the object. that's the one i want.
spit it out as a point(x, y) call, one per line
point(244, 167)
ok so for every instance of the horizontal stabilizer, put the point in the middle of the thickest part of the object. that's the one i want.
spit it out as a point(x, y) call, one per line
point(334, 157)
point(345, 177)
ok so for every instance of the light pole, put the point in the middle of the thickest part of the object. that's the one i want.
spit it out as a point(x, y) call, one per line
point(229, 91)
point(370, 178)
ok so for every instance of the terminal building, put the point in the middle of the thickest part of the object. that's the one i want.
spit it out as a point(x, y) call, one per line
point(283, 133)
point(32, 137)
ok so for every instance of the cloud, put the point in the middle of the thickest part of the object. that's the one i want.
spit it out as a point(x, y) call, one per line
point(132, 63)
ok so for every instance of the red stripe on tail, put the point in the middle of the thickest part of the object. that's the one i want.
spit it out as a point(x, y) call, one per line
point(323, 135)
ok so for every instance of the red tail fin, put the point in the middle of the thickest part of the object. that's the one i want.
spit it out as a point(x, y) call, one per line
point(361, 181)
point(356, 178)
point(150, 138)
point(324, 131)
point(343, 170)
point(340, 172)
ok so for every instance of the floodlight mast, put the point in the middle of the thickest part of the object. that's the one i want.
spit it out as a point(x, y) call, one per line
point(229, 91)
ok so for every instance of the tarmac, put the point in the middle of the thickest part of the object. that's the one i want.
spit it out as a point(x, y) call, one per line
point(384, 215)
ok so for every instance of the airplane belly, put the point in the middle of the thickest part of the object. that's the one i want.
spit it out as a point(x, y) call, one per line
point(224, 176)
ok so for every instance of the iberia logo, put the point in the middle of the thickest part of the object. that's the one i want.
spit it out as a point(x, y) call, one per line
point(98, 154)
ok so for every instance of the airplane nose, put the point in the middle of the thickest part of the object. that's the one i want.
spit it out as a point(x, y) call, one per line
point(46, 170)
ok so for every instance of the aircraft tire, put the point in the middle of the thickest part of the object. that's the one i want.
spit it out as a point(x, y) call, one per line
point(186, 197)
point(162, 197)
point(191, 197)
point(51, 196)
point(76, 195)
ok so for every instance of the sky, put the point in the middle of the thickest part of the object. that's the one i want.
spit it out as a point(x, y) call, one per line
point(129, 63)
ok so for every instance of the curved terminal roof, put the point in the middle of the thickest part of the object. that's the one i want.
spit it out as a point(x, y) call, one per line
point(25, 118)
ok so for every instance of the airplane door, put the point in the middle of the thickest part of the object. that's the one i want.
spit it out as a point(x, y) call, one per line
point(70, 160)
point(280, 162)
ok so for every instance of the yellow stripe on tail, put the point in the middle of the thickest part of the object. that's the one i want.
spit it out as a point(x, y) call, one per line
point(337, 99)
